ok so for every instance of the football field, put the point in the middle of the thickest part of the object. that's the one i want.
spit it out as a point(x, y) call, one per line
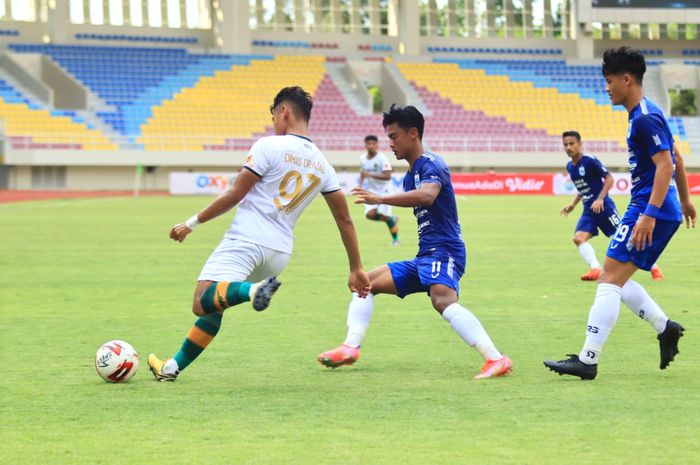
point(77, 273)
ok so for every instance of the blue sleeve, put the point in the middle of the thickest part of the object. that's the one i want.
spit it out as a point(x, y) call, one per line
point(652, 135)
point(602, 170)
point(428, 172)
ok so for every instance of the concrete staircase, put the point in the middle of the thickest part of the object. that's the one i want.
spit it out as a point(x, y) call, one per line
point(399, 90)
point(354, 92)
point(655, 90)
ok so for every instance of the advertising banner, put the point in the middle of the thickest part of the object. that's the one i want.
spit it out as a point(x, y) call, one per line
point(348, 180)
point(564, 186)
point(203, 183)
point(502, 184)
point(198, 183)
point(694, 183)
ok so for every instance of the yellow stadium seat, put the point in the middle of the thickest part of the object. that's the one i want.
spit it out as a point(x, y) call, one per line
point(229, 104)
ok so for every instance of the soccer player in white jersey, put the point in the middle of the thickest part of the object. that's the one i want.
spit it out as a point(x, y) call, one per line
point(376, 171)
point(281, 176)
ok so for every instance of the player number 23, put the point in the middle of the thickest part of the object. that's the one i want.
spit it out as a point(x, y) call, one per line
point(292, 192)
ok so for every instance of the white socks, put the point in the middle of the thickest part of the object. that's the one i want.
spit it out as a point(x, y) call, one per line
point(637, 299)
point(470, 330)
point(170, 367)
point(462, 320)
point(601, 320)
point(359, 315)
point(588, 254)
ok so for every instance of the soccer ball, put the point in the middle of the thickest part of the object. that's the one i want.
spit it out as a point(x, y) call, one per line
point(116, 361)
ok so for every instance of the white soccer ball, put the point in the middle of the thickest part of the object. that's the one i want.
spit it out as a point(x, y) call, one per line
point(116, 361)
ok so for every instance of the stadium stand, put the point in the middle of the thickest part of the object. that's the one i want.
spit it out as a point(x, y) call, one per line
point(545, 95)
point(28, 126)
point(229, 104)
point(174, 99)
point(134, 79)
point(496, 51)
point(133, 38)
point(333, 126)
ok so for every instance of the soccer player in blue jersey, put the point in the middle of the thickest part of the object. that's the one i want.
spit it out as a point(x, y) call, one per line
point(593, 182)
point(441, 255)
point(660, 201)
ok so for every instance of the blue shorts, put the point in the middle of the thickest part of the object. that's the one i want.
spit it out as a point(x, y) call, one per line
point(607, 221)
point(439, 266)
point(622, 249)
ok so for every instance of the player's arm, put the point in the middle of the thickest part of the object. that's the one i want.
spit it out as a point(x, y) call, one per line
point(598, 204)
point(422, 197)
point(358, 281)
point(683, 192)
point(642, 232)
point(224, 202)
point(569, 208)
point(383, 176)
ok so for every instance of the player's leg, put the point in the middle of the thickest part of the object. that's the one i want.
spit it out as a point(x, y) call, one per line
point(359, 316)
point(439, 273)
point(620, 264)
point(383, 213)
point(656, 273)
point(636, 298)
point(641, 303)
point(392, 222)
point(601, 319)
point(232, 262)
point(470, 329)
point(585, 230)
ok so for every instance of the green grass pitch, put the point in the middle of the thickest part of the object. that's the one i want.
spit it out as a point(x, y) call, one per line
point(76, 273)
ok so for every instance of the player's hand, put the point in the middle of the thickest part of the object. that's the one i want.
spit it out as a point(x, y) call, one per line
point(359, 282)
point(179, 232)
point(365, 196)
point(689, 213)
point(642, 232)
point(597, 206)
point(567, 209)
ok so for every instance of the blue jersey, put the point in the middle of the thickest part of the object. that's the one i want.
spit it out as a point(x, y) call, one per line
point(648, 134)
point(438, 224)
point(587, 175)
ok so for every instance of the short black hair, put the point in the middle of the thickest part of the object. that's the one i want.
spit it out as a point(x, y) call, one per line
point(371, 137)
point(624, 60)
point(571, 134)
point(406, 117)
point(300, 100)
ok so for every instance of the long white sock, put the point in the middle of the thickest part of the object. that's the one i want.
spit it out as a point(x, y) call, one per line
point(636, 298)
point(601, 320)
point(470, 330)
point(588, 254)
point(359, 315)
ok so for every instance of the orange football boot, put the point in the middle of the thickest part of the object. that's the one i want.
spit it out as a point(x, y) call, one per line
point(495, 367)
point(341, 355)
point(592, 275)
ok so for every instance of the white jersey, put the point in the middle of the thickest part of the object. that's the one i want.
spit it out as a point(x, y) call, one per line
point(376, 165)
point(292, 172)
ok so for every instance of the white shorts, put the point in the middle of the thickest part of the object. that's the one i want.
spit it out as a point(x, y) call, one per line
point(381, 209)
point(236, 260)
